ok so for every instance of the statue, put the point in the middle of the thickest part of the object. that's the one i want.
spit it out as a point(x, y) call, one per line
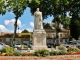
point(39, 34)
point(38, 20)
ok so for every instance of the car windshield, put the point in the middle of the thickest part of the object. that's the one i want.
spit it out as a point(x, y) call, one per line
point(2, 43)
point(69, 42)
point(18, 44)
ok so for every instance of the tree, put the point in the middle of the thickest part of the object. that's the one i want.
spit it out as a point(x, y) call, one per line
point(51, 7)
point(25, 31)
point(75, 28)
point(75, 20)
point(66, 23)
point(17, 7)
point(2, 7)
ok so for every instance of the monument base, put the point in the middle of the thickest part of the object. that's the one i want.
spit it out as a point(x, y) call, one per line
point(39, 39)
point(39, 47)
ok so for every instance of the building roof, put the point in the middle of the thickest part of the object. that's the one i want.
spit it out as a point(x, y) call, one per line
point(47, 26)
point(21, 35)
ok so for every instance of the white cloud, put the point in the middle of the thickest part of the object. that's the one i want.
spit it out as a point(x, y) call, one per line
point(3, 29)
point(18, 31)
point(11, 12)
point(30, 29)
point(32, 24)
point(12, 21)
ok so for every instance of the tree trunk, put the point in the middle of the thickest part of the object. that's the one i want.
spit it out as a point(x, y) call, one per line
point(56, 26)
point(15, 29)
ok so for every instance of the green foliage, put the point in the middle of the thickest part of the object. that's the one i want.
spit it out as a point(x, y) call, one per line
point(79, 38)
point(7, 50)
point(3, 50)
point(60, 8)
point(54, 7)
point(25, 31)
point(74, 49)
point(75, 20)
point(75, 27)
point(65, 21)
point(62, 52)
point(24, 54)
point(61, 48)
point(54, 53)
point(17, 7)
point(25, 46)
point(2, 7)
point(17, 53)
point(42, 52)
point(58, 29)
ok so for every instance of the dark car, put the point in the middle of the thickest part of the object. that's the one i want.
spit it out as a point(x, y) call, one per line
point(30, 45)
point(71, 43)
point(49, 45)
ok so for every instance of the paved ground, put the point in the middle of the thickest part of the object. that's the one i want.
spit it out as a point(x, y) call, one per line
point(57, 57)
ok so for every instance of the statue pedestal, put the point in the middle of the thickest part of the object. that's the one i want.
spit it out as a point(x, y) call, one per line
point(39, 39)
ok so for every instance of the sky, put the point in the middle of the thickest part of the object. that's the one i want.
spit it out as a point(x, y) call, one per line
point(26, 21)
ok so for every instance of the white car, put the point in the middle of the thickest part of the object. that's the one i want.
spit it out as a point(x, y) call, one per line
point(17, 45)
point(3, 44)
point(1, 47)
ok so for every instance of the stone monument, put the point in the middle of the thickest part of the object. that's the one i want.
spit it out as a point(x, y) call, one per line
point(39, 34)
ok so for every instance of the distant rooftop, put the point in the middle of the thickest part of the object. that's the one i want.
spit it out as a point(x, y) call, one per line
point(51, 26)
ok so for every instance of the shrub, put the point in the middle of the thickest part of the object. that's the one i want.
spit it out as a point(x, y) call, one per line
point(37, 53)
point(3, 50)
point(74, 49)
point(17, 53)
point(7, 50)
point(30, 54)
point(25, 46)
point(61, 48)
point(62, 52)
point(54, 53)
point(42, 52)
point(24, 54)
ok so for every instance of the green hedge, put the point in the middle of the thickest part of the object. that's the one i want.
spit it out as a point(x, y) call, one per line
point(42, 52)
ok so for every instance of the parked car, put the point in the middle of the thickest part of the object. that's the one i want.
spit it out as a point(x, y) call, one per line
point(1, 47)
point(49, 45)
point(17, 45)
point(71, 43)
point(30, 45)
point(3, 44)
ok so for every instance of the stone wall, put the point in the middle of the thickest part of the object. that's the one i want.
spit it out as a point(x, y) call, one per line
point(58, 57)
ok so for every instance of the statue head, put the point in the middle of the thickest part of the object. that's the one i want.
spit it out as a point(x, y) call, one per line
point(37, 9)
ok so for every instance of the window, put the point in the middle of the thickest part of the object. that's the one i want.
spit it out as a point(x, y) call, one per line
point(7, 39)
point(53, 35)
point(60, 35)
point(65, 35)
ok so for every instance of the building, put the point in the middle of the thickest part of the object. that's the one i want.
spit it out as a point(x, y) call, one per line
point(20, 38)
point(26, 37)
point(51, 34)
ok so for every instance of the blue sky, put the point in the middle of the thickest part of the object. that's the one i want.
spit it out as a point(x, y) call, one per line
point(26, 21)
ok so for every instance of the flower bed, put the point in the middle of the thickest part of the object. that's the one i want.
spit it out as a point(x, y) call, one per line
point(9, 51)
point(77, 53)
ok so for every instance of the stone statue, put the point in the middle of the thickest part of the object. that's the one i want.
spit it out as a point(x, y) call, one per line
point(38, 20)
